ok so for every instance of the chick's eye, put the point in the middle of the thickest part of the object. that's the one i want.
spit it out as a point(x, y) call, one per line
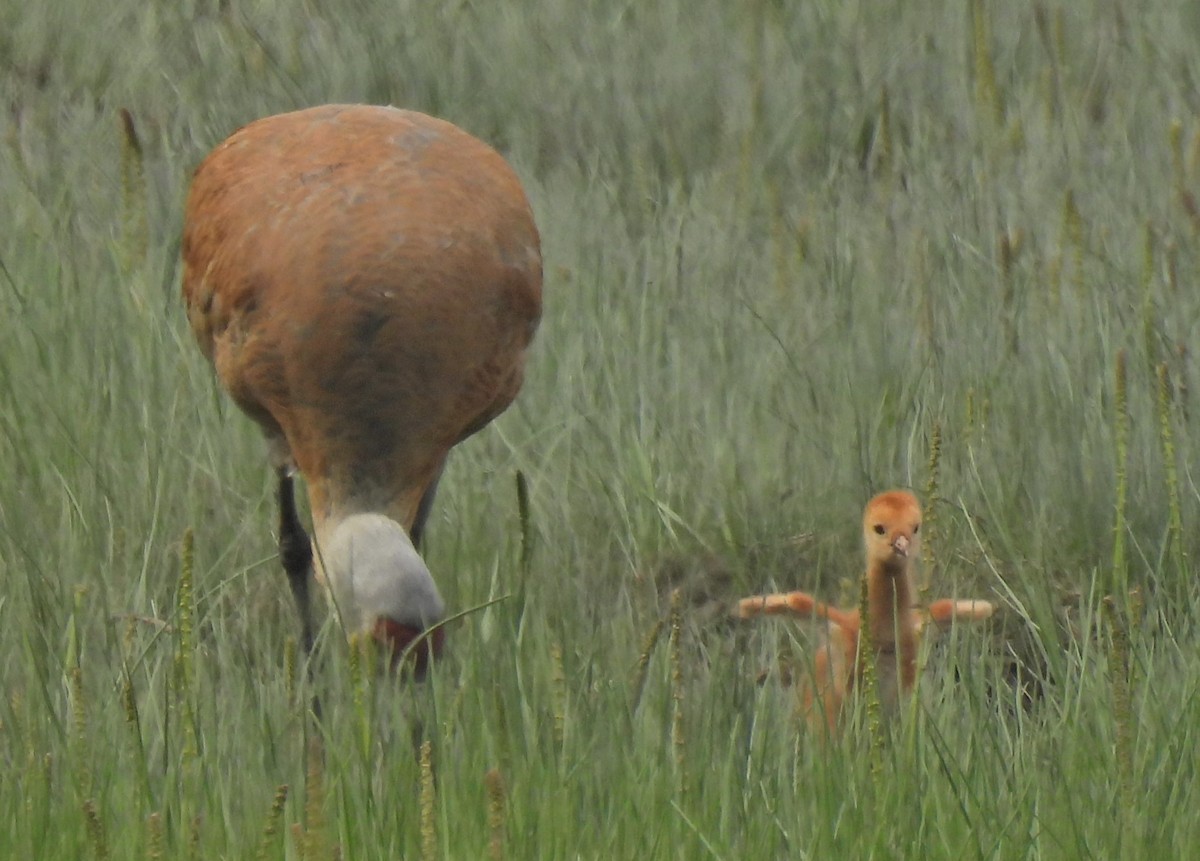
point(916, 529)
point(879, 530)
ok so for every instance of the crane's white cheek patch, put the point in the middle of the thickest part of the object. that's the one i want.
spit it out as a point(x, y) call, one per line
point(375, 573)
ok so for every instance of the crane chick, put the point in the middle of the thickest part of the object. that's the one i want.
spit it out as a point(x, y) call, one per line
point(891, 534)
point(365, 282)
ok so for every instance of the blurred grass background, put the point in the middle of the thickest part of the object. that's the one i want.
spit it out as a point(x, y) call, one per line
point(788, 247)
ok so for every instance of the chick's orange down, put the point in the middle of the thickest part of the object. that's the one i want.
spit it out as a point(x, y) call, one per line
point(891, 534)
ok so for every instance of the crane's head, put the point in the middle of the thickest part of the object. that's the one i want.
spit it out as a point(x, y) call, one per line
point(382, 587)
point(891, 529)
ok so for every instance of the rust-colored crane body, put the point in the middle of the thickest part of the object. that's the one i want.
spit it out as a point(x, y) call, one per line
point(366, 282)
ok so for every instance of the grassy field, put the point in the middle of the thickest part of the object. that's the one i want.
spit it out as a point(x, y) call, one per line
point(796, 253)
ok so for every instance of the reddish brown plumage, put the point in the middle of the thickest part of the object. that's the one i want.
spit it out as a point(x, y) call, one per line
point(891, 527)
point(365, 282)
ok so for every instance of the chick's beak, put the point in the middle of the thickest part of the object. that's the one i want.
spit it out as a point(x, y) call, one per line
point(900, 545)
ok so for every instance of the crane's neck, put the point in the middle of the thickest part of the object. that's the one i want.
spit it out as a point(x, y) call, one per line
point(336, 501)
point(890, 604)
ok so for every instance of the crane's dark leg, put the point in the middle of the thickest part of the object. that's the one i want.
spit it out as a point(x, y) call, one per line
point(423, 509)
point(295, 551)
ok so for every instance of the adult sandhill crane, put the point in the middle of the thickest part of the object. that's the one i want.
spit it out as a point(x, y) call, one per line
point(365, 281)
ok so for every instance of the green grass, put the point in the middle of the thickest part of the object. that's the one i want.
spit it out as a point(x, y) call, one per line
point(783, 243)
